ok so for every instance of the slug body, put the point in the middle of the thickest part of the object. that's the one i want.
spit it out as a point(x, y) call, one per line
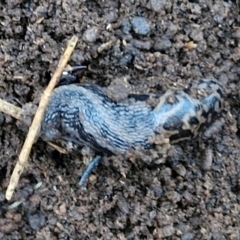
point(84, 115)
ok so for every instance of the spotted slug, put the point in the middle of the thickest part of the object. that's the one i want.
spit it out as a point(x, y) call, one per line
point(84, 115)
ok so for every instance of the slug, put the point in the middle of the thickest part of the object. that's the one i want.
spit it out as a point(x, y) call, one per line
point(83, 114)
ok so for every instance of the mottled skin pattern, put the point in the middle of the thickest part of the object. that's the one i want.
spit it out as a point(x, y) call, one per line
point(84, 115)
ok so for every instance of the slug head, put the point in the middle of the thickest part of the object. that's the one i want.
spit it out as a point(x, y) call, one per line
point(71, 75)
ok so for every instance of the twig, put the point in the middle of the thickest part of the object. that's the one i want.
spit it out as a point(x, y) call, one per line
point(34, 128)
point(10, 109)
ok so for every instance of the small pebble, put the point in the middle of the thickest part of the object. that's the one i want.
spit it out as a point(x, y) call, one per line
point(164, 232)
point(126, 59)
point(180, 169)
point(208, 158)
point(196, 35)
point(146, 45)
point(90, 35)
point(187, 236)
point(236, 34)
point(111, 17)
point(158, 5)
point(126, 27)
point(123, 205)
point(163, 44)
point(158, 191)
point(36, 221)
point(140, 25)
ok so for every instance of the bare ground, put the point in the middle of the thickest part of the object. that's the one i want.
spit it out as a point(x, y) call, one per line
point(195, 193)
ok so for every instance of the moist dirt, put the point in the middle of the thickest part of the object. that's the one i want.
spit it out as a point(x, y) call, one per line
point(154, 45)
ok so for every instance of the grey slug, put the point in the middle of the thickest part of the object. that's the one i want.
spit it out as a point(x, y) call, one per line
point(83, 114)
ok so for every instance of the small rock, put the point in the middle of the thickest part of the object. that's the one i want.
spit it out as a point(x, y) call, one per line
point(140, 25)
point(61, 211)
point(180, 169)
point(218, 235)
point(157, 5)
point(146, 45)
point(126, 27)
point(119, 89)
point(173, 196)
point(26, 191)
point(9, 227)
point(171, 31)
point(168, 231)
point(17, 218)
point(212, 41)
point(163, 44)
point(157, 189)
point(90, 35)
point(125, 59)
point(111, 17)
point(187, 236)
point(164, 232)
point(36, 221)
point(236, 34)
point(188, 197)
point(153, 214)
point(197, 35)
point(123, 205)
point(208, 159)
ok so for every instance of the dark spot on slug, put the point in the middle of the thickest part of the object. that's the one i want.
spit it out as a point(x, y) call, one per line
point(182, 135)
point(89, 139)
point(219, 91)
point(197, 107)
point(148, 146)
point(212, 82)
point(173, 123)
point(141, 97)
point(220, 104)
point(205, 114)
point(193, 121)
point(201, 81)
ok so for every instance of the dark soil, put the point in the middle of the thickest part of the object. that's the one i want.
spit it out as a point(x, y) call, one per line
point(156, 45)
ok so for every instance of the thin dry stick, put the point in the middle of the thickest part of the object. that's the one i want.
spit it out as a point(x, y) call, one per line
point(10, 109)
point(34, 128)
